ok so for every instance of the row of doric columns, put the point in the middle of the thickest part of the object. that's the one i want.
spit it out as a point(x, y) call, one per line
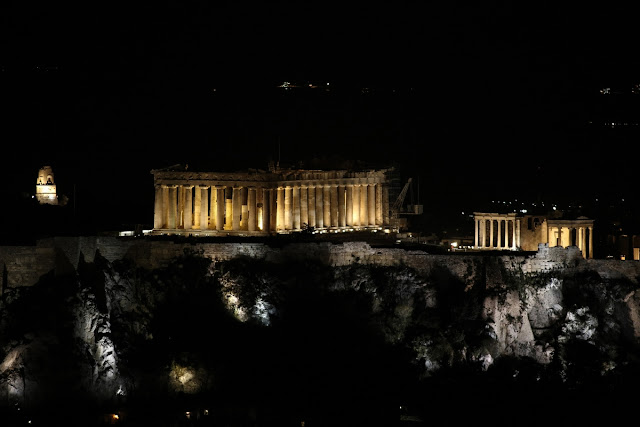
point(489, 232)
point(287, 207)
point(331, 206)
point(580, 236)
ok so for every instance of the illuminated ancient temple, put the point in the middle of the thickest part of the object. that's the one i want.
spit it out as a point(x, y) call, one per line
point(511, 231)
point(261, 202)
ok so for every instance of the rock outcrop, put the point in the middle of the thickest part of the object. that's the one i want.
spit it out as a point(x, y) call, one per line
point(344, 329)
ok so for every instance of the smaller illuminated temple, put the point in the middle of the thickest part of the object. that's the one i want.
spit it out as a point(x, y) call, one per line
point(277, 201)
point(513, 231)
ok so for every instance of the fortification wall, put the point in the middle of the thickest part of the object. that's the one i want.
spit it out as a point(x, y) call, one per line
point(24, 265)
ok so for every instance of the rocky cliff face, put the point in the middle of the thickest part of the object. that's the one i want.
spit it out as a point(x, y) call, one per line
point(249, 341)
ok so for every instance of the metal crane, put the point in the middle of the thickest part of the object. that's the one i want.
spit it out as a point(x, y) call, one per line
point(397, 205)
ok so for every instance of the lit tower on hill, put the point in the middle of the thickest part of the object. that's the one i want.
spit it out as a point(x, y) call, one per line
point(46, 187)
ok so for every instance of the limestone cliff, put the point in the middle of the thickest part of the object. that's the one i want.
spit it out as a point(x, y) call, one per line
point(323, 333)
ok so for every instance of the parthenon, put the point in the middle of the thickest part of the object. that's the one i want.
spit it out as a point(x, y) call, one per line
point(269, 202)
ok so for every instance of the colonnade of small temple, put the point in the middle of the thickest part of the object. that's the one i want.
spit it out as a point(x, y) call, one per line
point(503, 231)
point(268, 203)
point(572, 233)
point(497, 231)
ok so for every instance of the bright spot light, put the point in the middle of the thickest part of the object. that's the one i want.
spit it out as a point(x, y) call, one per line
point(185, 377)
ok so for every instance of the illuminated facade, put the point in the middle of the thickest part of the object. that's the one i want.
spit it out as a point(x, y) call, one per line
point(46, 187)
point(262, 203)
point(512, 231)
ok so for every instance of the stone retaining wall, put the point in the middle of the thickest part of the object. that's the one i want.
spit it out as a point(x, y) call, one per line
point(24, 265)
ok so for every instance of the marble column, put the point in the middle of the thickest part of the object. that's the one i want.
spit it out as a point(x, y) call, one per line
point(326, 204)
point(228, 208)
point(475, 234)
point(213, 207)
point(288, 206)
point(295, 199)
point(333, 210)
point(364, 205)
point(371, 202)
point(220, 209)
point(188, 207)
point(273, 217)
point(266, 210)
point(385, 205)
point(505, 243)
point(349, 205)
point(181, 197)
point(197, 206)
point(580, 243)
point(311, 191)
point(244, 209)
point(204, 208)
point(304, 206)
point(491, 233)
point(236, 203)
point(319, 207)
point(499, 243)
point(342, 215)
point(158, 210)
point(379, 220)
point(356, 204)
point(165, 206)
point(280, 225)
point(590, 242)
point(173, 206)
point(251, 206)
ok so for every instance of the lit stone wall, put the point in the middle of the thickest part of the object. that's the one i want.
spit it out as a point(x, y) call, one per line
point(262, 203)
point(533, 232)
point(25, 265)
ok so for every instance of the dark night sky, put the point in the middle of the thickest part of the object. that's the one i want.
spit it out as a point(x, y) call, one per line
point(488, 95)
